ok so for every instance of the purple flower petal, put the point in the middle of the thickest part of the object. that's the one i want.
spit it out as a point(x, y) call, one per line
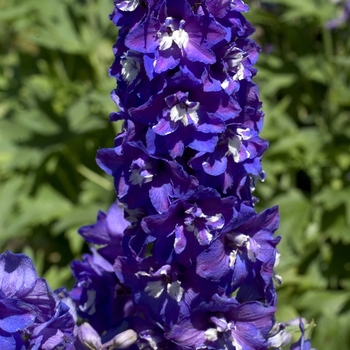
point(17, 274)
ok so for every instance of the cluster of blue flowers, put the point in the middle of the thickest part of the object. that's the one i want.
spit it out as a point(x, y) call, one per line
point(192, 264)
point(181, 260)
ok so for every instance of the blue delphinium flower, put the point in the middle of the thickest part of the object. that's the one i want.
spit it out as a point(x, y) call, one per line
point(182, 258)
point(100, 297)
point(344, 14)
point(304, 342)
point(31, 315)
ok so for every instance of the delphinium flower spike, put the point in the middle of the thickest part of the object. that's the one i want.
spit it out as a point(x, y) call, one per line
point(182, 259)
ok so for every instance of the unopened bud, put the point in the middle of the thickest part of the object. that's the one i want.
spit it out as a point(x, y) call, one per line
point(122, 340)
point(89, 337)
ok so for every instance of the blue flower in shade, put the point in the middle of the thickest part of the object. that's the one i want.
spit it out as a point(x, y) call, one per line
point(238, 152)
point(107, 232)
point(31, 315)
point(156, 292)
point(100, 297)
point(143, 179)
point(191, 222)
point(223, 323)
point(246, 246)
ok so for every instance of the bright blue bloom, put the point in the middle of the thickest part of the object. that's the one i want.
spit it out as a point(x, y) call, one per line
point(223, 323)
point(31, 315)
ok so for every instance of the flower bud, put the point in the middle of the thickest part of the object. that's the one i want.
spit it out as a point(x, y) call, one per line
point(89, 337)
point(122, 340)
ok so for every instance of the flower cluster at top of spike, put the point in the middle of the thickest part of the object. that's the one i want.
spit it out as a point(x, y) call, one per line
point(182, 258)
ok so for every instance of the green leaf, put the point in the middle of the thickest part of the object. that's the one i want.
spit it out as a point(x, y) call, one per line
point(9, 192)
point(315, 67)
point(295, 211)
point(332, 199)
point(45, 206)
point(276, 81)
point(77, 216)
point(328, 303)
point(57, 276)
point(76, 242)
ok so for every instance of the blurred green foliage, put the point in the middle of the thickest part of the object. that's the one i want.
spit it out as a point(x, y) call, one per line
point(54, 106)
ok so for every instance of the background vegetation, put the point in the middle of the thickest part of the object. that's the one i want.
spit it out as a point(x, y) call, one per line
point(54, 106)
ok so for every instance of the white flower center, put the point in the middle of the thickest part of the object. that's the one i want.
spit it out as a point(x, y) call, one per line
point(192, 228)
point(155, 289)
point(127, 5)
point(242, 240)
point(201, 225)
point(236, 345)
point(234, 145)
point(239, 240)
point(173, 33)
point(211, 334)
point(131, 65)
point(89, 305)
point(175, 290)
point(234, 60)
point(183, 112)
point(232, 257)
point(181, 38)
